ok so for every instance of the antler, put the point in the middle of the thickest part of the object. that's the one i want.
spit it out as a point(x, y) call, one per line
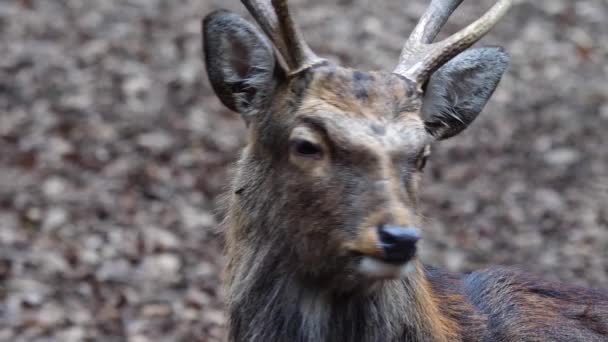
point(274, 18)
point(420, 57)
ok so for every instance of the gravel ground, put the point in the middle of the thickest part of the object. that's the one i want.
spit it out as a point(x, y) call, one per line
point(113, 151)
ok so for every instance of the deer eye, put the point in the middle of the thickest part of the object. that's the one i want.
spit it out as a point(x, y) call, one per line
point(305, 148)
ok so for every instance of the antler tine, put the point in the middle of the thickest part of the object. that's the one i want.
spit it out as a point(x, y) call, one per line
point(274, 18)
point(420, 58)
point(433, 19)
point(429, 25)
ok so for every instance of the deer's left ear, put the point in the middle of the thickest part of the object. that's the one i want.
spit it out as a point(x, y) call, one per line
point(458, 91)
point(240, 63)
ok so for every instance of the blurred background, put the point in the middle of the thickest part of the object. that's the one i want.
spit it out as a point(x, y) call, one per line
point(113, 151)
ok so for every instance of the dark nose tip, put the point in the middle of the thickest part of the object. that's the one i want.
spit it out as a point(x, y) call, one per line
point(398, 243)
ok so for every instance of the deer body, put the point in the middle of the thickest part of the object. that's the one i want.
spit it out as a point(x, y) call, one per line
point(493, 305)
point(323, 218)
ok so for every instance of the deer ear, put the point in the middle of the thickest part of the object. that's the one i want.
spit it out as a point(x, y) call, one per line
point(240, 63)
point(458, 91)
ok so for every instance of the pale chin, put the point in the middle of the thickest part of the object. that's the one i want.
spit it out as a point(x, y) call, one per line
point(377, 269)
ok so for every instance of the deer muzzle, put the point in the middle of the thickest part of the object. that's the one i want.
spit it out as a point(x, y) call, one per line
point(398, 244)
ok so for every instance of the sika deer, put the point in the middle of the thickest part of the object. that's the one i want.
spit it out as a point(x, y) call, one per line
point(323, 220)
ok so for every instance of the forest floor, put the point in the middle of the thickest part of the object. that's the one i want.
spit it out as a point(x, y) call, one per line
point(114, 150)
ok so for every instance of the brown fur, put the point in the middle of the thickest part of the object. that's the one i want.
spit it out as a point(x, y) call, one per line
point(297, 228)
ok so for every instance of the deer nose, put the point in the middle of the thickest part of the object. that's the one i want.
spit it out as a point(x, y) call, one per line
point(398, 243)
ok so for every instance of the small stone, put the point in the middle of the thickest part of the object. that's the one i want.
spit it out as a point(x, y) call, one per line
point(33, 214)
point(138, 338)
point(163, 267)
point(155, 141)
point(136, 85)
point(454, 260)
point(114, 270)
point(31, 292)
point(80, 316)
point(55, 218)
point(550, 199)
point(72, 334)
point(58, 148)
point(562, 156)
point(197, 298)
point(214, 317)
point(198, 120)
point(51, 314)
point(188, 71)
point(216, 334)
point(52, 263)
point(89, 257)
point(156, 310)
point(194, 218)
point(160, 239)
point(205, 269)
point(54, 187)
point(189, 314)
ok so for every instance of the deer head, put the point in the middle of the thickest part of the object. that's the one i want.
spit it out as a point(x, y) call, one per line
point(326, 187)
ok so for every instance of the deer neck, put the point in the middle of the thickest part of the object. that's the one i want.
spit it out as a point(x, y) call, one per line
point(268, 302)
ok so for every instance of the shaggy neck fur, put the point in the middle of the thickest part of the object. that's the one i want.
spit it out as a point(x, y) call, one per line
point(267, 302)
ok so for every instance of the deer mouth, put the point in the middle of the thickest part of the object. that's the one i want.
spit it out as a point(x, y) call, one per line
point(377, 268)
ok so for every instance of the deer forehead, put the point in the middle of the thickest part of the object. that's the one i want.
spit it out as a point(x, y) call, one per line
point(373, 109)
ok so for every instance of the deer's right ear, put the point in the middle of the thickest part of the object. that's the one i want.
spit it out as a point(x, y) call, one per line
point(240, 63)
point(458, 91)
